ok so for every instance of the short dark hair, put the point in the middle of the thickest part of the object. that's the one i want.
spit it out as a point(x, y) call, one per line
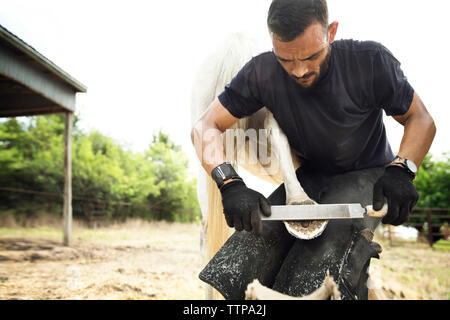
point(288, 19)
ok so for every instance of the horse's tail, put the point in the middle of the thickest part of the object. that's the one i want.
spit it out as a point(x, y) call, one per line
point(215, 73)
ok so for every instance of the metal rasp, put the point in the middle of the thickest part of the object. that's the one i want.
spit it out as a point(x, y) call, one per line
point(323, 212)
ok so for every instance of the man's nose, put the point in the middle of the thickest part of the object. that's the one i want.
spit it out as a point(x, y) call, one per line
point(300, 69)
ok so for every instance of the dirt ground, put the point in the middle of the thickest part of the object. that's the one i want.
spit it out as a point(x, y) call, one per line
point(141, 260)
point(134, 261)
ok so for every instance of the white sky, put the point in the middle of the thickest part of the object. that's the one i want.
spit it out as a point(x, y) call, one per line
point(138, 58)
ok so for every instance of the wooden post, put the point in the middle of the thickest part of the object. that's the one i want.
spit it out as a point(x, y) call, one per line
point(390, 235)
point(430, 232)
point(67, 214)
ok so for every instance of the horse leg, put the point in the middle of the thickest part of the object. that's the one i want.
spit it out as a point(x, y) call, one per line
point(295, 195)
point(280, 146)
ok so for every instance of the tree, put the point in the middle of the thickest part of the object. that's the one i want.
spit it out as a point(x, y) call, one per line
point(156, 181)
point(31, 158)
point(433, 183)
point(176, 199)
point(433, 186)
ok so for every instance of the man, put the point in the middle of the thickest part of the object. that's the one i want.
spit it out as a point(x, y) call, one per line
point(328, 97)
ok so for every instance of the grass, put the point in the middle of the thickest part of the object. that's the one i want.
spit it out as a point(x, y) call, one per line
point(420, 270)
point(442, 244)
point(50, 233)
point(132, 231)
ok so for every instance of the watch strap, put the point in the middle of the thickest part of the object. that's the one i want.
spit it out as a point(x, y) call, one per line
point(398, 161)
point(224, 172)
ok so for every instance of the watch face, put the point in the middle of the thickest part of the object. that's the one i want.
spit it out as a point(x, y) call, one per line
point(411, 166)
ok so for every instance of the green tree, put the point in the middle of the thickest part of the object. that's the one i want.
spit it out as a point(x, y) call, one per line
point(30, 158)
point(433, 183)
point(174, 201)
point(433, 186)
point(156, 182)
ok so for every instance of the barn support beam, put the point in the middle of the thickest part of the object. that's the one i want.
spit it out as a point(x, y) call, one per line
point(67, 214)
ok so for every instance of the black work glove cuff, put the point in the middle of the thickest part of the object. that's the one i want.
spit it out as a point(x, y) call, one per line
point(231, 185)
point(398, 172)
point(397, 187)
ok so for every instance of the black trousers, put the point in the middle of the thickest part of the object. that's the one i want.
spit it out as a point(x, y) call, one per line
point(297, 267)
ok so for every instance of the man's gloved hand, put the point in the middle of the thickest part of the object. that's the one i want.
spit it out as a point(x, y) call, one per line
point(242, 207)
point(396, 185)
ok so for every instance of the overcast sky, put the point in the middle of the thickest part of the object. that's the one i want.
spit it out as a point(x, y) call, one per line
point(138, 58)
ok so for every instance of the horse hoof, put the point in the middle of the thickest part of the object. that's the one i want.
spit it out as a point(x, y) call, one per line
point(313, 229)
point(305, 229)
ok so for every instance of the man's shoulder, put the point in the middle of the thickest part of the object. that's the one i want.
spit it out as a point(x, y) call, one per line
point(264, 66)
point(265, 55)
point(358, 47)
point(265, 58)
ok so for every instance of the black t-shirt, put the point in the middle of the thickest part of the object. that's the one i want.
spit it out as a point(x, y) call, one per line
point(338, 125)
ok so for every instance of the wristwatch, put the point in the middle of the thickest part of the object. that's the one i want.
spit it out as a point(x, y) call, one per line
point(407, 164)
point(224, 172)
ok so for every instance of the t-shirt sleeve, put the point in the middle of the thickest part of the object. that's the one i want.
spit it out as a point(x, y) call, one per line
point(241, 96)
point(392, 91)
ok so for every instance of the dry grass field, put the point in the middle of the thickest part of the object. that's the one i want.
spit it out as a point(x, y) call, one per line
point(158, 260)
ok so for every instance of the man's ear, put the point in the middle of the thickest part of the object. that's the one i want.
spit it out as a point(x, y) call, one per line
point(332, 29)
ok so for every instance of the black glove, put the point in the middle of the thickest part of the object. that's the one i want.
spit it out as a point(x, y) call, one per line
point(396, 185)
point(242, 207)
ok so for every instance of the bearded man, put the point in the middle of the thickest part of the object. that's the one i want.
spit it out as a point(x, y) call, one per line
point(328, 97)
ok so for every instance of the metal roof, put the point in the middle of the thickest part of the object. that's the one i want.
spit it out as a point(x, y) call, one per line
point(30, 84)
point(20, 45)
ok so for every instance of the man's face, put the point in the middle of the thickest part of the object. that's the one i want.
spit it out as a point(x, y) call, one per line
point(306, 57)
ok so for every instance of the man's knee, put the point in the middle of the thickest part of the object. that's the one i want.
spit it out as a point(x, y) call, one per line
point(278, 197)
point(352, 187)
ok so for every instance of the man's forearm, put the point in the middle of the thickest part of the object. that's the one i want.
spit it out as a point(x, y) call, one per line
point(206, 135)
point(417, 139)
point(418, 134)
point(208, 145)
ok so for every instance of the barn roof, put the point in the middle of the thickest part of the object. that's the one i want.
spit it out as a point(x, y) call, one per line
point(30, 83)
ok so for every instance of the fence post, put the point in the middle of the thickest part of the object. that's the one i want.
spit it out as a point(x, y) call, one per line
point(390, 235)
point(67, 210)
point(430, 231)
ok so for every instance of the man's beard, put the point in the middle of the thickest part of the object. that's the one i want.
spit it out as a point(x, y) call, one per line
point(323, 68)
